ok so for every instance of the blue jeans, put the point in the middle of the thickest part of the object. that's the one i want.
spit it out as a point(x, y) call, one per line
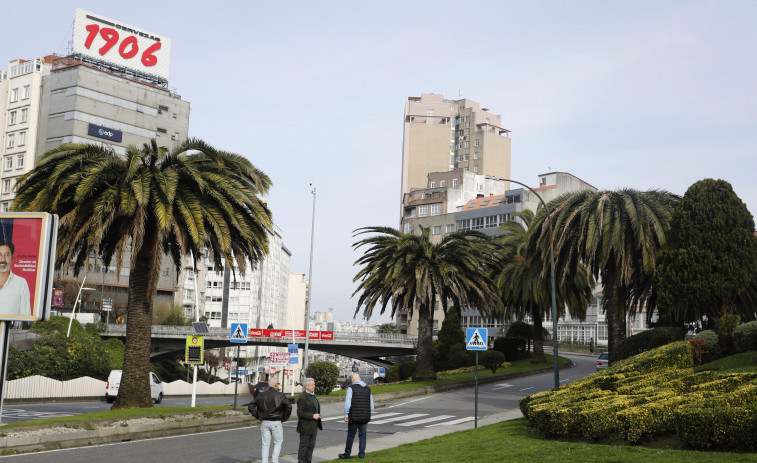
point(352, 429)
point(268, 429)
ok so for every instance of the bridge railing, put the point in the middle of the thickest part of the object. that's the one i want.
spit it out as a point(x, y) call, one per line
point(339, 337)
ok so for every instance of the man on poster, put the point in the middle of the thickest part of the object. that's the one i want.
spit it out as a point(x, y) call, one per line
point(14, 290)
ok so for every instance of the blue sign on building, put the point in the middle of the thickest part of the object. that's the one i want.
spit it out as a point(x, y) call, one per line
point(106, 133)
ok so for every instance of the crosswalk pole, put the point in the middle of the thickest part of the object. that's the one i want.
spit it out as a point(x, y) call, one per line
point(475, 413)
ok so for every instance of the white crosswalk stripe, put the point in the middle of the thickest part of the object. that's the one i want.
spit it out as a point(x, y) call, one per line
point(449, 423)
point(373, 417)
point(426, 420)
point(501, 386)
point(399, 418)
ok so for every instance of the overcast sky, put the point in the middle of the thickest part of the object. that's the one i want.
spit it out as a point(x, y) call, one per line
point(640, 94)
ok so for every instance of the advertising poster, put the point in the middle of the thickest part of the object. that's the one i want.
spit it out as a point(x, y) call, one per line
point(25, 264)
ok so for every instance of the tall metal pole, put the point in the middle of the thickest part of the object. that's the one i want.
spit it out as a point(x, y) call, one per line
point(310, 292)
point(73, 312)
point(552, 262)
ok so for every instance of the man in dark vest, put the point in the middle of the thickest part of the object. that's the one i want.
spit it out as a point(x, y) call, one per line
point(358, 408)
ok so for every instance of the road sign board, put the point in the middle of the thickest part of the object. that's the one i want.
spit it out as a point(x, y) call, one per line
point(294, 353)
point(280, 357)
point(238, 332)
point(475, 339)
point(194, 352)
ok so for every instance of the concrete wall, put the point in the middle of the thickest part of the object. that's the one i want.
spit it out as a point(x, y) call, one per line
point(40, 387)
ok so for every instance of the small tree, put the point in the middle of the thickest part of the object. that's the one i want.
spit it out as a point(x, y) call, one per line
point(491, 359)
point(326, 376)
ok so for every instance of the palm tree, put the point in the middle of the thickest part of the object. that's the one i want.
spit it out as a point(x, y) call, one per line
point(616, 235)
point(150, 203)
point(525, 288)
point(411, 273)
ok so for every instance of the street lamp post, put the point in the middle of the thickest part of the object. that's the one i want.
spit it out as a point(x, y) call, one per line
point(78, 297)
point(552, 262)
point(310, 292)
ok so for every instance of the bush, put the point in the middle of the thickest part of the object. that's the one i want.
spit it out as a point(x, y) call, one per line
point(511, 347)
point(724, 328)
point(711, 343)
point(721, 428)
point(406, 369)
point(646, 340)
point(326, 376)
point(745, 337)
point(492, 359)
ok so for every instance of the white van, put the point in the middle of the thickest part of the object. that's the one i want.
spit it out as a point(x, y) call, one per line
point(114, 381)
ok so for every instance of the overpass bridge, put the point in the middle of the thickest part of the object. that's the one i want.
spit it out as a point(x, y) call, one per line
point(167, 341)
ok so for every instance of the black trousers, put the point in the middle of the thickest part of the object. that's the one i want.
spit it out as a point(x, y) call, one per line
point(305, 452)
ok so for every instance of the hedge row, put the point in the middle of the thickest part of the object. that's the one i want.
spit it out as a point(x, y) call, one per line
point(745, 337)
point(652, 394)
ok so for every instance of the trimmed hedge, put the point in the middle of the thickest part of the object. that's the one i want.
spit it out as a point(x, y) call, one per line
point(722, 428)
point(649, 395)
point(646, 340)
point(745, 337)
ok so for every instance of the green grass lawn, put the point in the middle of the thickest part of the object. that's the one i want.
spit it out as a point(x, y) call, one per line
point(745, 362)
point(511, 441)
point(123, 414)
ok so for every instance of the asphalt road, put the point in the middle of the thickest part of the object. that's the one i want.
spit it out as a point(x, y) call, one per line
point(396, 417)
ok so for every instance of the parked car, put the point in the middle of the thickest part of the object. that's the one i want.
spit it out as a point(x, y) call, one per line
point(114, 382)
point(259, 387)
point(602, 361)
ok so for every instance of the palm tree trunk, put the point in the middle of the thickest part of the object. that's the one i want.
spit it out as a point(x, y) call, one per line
point(424, 360)
point(615, 310)
point(538, 356)
point(143, 281)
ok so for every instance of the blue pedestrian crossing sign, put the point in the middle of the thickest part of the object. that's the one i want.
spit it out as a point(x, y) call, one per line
point(475, 339)
point(238, 332)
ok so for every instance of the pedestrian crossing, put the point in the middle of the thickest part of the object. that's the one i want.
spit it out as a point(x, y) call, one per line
point(412, 419)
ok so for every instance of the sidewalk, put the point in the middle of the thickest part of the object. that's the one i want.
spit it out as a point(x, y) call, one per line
point(399, 438)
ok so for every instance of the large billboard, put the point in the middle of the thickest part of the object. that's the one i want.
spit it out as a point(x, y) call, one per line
point(27, 258)
point(109, 40)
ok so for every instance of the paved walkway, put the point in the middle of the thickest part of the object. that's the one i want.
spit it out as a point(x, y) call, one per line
point(399, 438)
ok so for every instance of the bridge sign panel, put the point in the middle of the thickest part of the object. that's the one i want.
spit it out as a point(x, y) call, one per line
point(475, 339)
point(238, 332)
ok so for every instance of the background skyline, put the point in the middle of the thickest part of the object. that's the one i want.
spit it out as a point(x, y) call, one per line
point(625, 94)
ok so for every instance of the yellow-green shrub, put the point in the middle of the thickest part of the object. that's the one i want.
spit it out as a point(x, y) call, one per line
point(722, 428)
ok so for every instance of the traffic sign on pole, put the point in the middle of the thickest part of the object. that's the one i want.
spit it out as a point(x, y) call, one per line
point(476, 339)
point(238, 332)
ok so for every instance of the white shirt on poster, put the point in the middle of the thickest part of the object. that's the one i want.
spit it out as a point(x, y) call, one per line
point(14, 296)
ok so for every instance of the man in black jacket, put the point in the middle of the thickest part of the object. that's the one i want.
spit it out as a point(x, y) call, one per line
point(358, 408)
point(271, 408)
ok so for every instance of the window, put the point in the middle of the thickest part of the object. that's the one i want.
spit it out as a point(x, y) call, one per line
point(408, 227)
point(436, 209)
point(485, 203)
point(432, 185)
point(467, 131)
point(423, 211)
point(20, 161)
point(9, 163)
point(24, 115)
point(473, 204)
point(13, 117)
point(467, 144)
point(476, 143)
point(26, 92)
point(429, 112)
point(14, 95)
point(475, 155)
point(443, 183)
point(410, 213)
point(450, 228)
point(11, 141)
point(6, 186)
point(21, 138)
point(454, 183)
point(475, 168)
point(437, 229)
point(6, 206)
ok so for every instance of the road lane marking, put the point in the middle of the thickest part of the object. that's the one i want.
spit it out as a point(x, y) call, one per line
point(411, 401)
point(450, 423)
point(501, 386)
point(427, 420)
point(526, 389)
point(399, 418)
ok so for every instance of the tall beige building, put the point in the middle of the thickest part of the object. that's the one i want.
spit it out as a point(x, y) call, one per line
point(442, 135)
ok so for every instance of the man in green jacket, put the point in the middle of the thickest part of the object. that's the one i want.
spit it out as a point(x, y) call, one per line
point(309, 414)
